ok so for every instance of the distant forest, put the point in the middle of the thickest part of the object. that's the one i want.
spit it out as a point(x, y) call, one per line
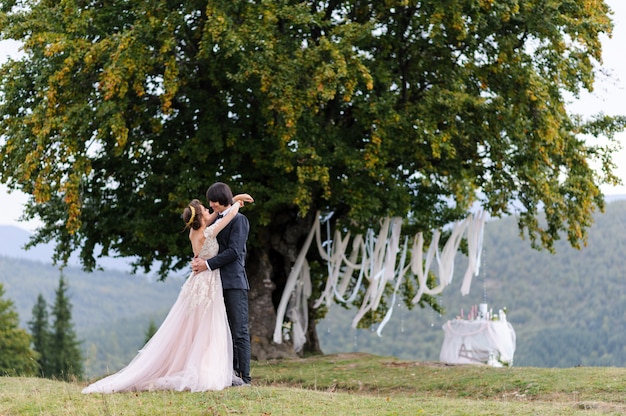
point(111, 310)
point(567, 309)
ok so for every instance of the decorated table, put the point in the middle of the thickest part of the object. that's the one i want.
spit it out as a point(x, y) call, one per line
point(478, 341)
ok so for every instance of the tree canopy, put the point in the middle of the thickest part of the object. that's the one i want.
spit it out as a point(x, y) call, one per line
point(120, 112)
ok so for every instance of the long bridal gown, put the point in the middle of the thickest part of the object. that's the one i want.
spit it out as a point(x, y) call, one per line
point(192, 350)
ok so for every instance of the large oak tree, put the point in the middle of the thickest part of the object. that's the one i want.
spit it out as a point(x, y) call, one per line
point(119, 112)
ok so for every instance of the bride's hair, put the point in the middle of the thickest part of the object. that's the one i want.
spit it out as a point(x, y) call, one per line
point(191, 217)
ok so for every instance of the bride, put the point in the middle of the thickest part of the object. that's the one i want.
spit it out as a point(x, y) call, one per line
point(192, 350)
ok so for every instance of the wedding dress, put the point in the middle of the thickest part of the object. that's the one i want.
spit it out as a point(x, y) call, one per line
point(192, 349)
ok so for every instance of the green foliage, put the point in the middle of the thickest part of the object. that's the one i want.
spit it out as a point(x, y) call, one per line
point(40, 332)
point(58, 351)
point(16, 356)
point(66, 361)
point(367, 109)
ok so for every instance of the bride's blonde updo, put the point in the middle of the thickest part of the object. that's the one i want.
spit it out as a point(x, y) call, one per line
point(192, 214)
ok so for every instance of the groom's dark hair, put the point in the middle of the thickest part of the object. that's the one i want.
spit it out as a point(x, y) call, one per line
point(221, 193)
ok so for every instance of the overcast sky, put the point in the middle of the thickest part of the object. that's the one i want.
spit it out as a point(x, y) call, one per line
point(608, 97)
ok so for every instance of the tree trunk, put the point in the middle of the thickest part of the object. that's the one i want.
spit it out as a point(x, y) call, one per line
point(268, 265)
point(262, 310)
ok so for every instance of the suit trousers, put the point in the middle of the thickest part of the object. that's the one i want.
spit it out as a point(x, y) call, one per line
point(236, 301)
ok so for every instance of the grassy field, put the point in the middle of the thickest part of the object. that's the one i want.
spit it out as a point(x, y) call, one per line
point(349, 384)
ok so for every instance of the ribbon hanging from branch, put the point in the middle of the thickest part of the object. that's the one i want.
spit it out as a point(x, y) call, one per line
point(379, 266)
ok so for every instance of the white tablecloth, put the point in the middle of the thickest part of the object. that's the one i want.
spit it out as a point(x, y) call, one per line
point(478, 342)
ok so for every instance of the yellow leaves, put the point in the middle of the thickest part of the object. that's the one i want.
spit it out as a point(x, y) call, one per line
point(71, 191)
point(111, 84)
point(486, 4)
point(439, 144)
point(311, 174)
point(269, 16)
point(41, 190)
point(314, 173)
point(120, 131)
point(53, 48)
point(286, 137)
point(372, 151)
point(266, 83)
point(437, 17)
point(31, 162)
point(217, 24)
point(42, 185)
point(171, 84)
point(123, 68)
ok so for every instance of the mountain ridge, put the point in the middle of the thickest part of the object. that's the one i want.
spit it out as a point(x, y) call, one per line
point(13, 239)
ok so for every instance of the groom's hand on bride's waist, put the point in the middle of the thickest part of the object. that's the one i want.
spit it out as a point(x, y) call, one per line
point(198, 265)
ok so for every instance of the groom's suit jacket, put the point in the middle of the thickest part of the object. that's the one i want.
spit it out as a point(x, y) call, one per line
point(231, 259)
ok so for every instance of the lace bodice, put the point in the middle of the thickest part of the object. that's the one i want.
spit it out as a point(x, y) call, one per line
point(211, 247)
point(201, 288)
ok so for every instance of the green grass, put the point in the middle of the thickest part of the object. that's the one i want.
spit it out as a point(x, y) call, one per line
point(349, 384)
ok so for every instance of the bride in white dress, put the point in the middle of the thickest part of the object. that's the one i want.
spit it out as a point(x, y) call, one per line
point(192, 349)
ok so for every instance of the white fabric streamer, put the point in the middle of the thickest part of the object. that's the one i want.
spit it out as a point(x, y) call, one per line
point(291, 283)
point(475, 232)
point(445, 259)
point(400, 274)
point(299, 310)
point(377, 268)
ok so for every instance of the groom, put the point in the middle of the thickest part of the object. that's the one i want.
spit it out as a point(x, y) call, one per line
point(231, 261)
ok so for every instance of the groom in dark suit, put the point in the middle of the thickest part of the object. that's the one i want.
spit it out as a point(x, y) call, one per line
point(231, 261)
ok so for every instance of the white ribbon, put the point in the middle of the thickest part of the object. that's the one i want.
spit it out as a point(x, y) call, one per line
point(377, 269)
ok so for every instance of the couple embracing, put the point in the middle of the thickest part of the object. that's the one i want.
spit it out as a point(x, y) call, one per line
point(204, 342)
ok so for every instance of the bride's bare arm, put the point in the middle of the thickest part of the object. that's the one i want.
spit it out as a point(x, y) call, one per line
point(241, 198)
point(212, 217)
point(219, 226)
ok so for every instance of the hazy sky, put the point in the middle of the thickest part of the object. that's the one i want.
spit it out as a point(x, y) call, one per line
point(608, 97)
